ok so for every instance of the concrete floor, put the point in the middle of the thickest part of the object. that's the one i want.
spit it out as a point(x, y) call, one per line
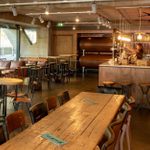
point(140, 123)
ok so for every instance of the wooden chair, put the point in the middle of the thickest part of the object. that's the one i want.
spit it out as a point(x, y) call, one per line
point(63, 98)
point(22, 96)
point(51, 103)
point(111, 138)
point(15, 120)
point(37, 112)
point(2, 135)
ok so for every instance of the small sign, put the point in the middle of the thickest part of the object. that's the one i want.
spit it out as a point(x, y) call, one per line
point(53, 139)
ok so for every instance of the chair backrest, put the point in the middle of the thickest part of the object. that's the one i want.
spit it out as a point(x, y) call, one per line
point(2, 135)
point(15, 120)
point(64, 97)
point(108, 140)
point(38, 111)
point(113, 132)
point(51, 102)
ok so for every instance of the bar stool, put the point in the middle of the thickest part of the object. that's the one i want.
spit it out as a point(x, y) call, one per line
point(108, 87)
point(145, 90)
point(126, 88)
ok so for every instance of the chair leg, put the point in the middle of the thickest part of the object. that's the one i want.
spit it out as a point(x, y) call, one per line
point(16, 105)
point(122, 136)
point(128, 132)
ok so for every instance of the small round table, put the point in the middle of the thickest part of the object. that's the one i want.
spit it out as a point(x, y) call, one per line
point(4, 82)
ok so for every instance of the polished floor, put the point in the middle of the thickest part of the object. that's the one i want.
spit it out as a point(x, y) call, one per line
point(140, 123)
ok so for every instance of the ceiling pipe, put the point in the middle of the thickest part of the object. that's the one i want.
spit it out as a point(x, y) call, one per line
point(52, 2)
point(62, 13)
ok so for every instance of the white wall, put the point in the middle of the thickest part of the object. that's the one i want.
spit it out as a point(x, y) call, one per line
point(38, 49)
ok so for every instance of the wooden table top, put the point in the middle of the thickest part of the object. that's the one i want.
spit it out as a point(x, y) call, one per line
point(81, 122)
point(10, 81)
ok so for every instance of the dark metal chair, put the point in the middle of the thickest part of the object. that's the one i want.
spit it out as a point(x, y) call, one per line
point(63, 97)
point(37, 112)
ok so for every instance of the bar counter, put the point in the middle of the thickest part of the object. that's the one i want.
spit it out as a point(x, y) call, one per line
point(125, 73)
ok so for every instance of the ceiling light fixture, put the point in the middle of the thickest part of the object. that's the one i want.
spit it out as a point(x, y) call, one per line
point(41, 19)
point(77, 20)
point(33, 21)
point(49, 24)
point(47, 10)
point(93, 6)
point(14, 11)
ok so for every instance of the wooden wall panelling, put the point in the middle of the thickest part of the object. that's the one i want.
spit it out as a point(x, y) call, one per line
point(63, 44)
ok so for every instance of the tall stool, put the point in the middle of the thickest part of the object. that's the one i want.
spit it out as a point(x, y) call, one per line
point(145, 90)
point(126, 88)
point(109, 87)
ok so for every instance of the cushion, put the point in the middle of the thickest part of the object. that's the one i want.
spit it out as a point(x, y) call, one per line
point(5, 64)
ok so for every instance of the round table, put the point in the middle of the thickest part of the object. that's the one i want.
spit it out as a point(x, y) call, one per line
point(4, 82)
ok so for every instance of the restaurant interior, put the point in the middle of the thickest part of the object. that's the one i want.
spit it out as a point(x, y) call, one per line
point(74, 75)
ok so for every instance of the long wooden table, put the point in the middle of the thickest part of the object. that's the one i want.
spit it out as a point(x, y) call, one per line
point(81, 122)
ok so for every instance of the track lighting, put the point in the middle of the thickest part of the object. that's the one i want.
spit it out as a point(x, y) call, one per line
point(14, 10)
point(93, 6)
point(41, 19)
point(49, 24)
point(33, 21)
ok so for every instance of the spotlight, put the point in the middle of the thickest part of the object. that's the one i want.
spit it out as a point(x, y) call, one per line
point(47, 10)
point(33, 21)
point(41, 19)
point(14, 10)
point(49, 24)
point(93, 6)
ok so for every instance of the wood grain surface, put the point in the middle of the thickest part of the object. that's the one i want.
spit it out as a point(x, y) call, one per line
point(81, 122)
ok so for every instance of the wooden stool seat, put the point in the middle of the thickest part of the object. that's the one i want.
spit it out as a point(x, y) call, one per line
point(108, 83)
point(145, 84)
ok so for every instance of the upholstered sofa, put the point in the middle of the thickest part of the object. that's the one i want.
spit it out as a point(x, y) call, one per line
point(7, 67)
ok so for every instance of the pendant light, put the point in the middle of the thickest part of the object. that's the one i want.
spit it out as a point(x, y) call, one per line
point(139, 36)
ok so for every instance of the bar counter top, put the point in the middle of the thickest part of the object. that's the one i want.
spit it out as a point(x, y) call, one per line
point(107, 64)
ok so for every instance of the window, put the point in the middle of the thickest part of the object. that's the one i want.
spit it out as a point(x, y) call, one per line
point(31, 35)
point(8, 38)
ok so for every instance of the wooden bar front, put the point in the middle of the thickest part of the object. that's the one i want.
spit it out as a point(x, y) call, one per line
point(125, 73)
point(81, 122)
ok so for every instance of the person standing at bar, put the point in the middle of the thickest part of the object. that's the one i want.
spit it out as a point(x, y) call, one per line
point(138, 51)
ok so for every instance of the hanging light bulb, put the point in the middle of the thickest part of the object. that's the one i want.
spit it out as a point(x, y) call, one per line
point(139, 36)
